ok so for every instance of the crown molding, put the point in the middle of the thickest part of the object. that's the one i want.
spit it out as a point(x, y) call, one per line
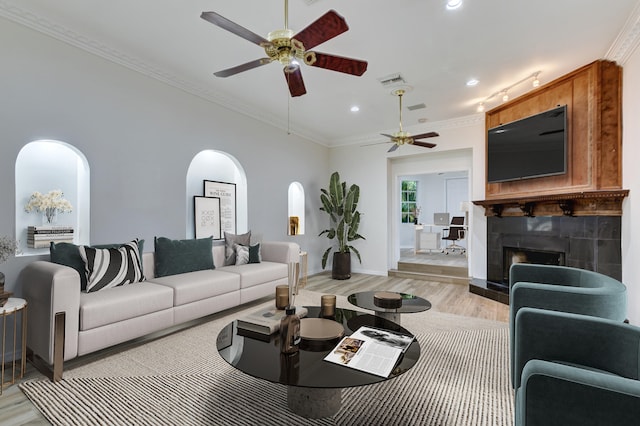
point(627, 40)
point(68, 36)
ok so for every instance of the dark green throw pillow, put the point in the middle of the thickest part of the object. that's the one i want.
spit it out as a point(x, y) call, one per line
point(68, 254)
point(254, 254)
point(179, 256)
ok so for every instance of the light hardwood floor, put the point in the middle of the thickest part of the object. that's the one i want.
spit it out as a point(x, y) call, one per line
point(449, 298)
point(16, 409)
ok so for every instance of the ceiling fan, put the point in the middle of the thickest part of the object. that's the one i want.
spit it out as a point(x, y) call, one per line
point(401, 137)
point(288, 49)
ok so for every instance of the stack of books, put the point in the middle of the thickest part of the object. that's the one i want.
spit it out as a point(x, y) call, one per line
point(266, 320)
point(42, 236)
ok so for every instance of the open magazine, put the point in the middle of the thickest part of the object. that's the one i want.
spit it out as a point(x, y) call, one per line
point(370, 349)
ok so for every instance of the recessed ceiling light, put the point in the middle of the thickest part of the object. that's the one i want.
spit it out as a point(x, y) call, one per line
point(355, 108)
point(472, 82)
point(453, 4)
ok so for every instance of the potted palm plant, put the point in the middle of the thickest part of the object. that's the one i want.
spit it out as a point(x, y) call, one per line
point(342, 207)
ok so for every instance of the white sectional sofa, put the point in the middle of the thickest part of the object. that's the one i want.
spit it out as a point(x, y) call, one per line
point(65, 322)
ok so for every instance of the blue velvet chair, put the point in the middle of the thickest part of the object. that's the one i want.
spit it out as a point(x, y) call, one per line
point(575, 370)
point(565, 289)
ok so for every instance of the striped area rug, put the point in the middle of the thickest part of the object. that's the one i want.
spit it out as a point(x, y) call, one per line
point(462, 378)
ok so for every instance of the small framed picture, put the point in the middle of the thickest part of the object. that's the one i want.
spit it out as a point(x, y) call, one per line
point(206, 219)
point(226, 192)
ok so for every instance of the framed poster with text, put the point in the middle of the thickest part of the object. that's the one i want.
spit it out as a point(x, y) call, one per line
point(227, 193)
point(206, 217)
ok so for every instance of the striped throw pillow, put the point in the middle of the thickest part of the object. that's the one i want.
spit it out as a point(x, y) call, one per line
point(112, 267)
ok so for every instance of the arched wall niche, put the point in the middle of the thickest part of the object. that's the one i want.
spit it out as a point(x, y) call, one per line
point(296, 209)
point(45, 165)
point(222, 167)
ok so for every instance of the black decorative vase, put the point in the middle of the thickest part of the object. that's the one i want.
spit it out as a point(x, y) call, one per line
point(341, 268)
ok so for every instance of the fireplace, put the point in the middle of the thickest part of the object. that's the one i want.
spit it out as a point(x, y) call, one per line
point(524, 255)
point(587, 242)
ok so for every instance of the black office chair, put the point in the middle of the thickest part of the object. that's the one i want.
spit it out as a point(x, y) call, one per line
point(456, 233)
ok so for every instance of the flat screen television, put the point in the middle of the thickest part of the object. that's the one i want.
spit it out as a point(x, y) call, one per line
point(531, 147)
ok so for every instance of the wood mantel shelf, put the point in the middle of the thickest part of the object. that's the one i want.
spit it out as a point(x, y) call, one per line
point(585, 203)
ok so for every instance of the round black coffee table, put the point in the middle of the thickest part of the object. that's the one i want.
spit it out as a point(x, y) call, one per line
point(409, 304)
point(314, 385)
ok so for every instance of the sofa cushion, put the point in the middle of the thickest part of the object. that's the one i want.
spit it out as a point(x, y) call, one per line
point(229, 241)
point(68, 254)
point(112, 267)
point(199, 285)
point(122, 303)
point(254, 274)
point(179, 256)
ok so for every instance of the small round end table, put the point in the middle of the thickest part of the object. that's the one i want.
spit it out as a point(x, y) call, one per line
point(11, 308)
point(408, 304)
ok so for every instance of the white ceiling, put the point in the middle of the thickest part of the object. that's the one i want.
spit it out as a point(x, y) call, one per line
point(498, 42)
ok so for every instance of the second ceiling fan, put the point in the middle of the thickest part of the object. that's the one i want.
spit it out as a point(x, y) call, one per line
point(404, 138)
point(285, 47)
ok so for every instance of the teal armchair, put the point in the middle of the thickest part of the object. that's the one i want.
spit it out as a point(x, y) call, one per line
point(575, 370)
point(564, 289)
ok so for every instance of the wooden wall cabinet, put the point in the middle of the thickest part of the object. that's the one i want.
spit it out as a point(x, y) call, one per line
point(592, 94)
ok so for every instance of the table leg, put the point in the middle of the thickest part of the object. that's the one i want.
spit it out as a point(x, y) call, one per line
point(390, 316)
point(314, 403)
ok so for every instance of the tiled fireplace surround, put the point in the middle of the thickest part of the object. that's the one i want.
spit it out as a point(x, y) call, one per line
point(588, 242)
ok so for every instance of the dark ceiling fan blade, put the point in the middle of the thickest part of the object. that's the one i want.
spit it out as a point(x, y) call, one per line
point(340, 64)
point(293, 75)
point(389, 136)
point(425, 135)
point(424, 144)
point(244, 67)
point(231, 26)
point(322, 29)
point(393, 148)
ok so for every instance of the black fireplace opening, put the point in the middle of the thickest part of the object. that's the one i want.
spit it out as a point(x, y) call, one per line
point(513, 255)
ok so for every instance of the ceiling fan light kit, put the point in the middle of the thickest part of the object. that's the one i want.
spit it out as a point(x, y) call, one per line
point(288, 49)
point(404, 138)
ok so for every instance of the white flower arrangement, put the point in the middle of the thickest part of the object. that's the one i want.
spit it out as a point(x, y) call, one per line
point(50, 203)
point(8, 247)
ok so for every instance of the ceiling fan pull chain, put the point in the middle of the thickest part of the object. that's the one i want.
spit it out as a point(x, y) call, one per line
point(288, 107)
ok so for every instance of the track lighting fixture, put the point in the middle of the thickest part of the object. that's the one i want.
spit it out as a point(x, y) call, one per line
point(504, 93)
point(536, 81)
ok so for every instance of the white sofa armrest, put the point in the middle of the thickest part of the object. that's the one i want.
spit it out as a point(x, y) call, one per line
point(50, 289)
point(280, 251)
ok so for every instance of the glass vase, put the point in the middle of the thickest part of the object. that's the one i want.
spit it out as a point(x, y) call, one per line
point(49, 216)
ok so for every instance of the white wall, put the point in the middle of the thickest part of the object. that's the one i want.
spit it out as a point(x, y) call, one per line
point(631, 181)
point(139, 137)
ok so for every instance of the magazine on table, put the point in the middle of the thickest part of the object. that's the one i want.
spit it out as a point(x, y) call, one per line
point(370, 349)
